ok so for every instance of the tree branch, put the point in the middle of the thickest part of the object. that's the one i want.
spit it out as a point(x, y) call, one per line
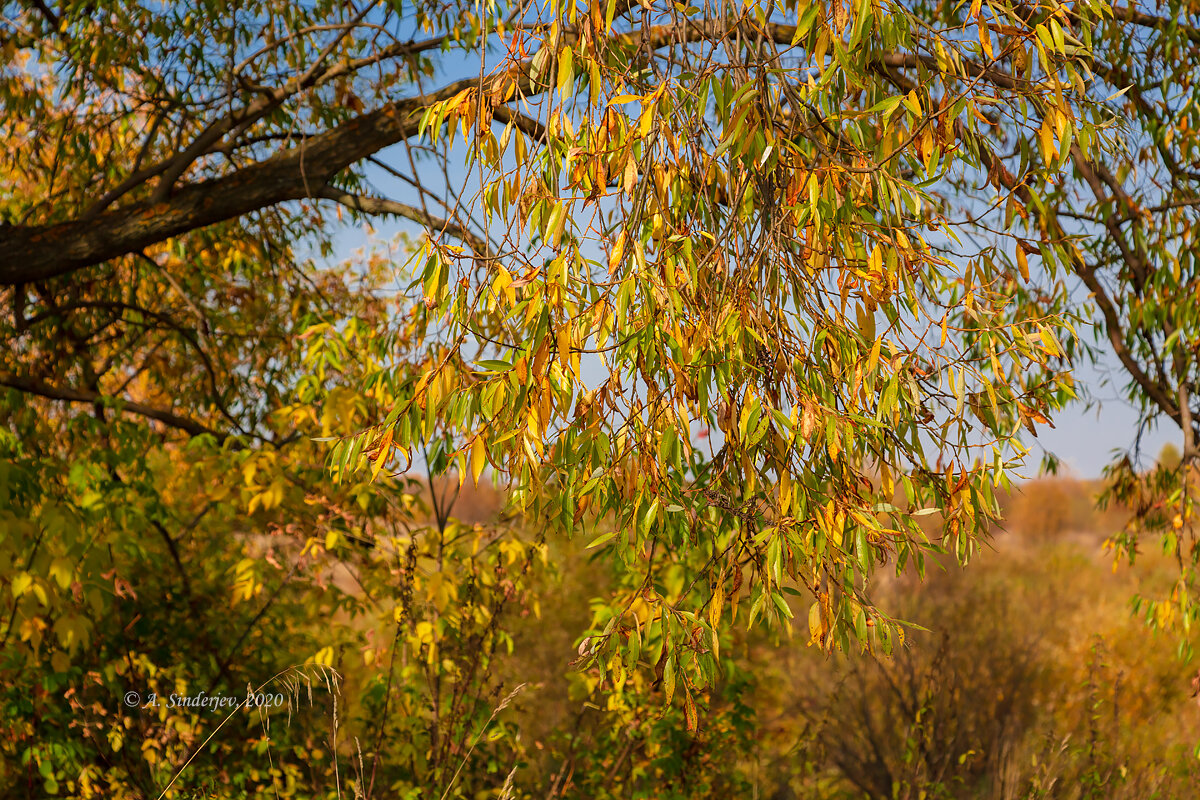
point(1001, 178)
point(31, 253)
point(68, 394)
point(379, 205)
point(1150, 21)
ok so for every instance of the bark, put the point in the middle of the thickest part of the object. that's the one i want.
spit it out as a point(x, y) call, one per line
point(34, 253)
point(31, 253)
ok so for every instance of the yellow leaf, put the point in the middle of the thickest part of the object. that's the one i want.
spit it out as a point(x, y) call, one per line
point(478, 458)
point(717, 604)
point(833, 445)
point(62, 571)
point(1048, 342)
point(913, 102)
point(21, 583)
point(985, 39)
point(647, 120)
point(563, 345)
point(927, 148)
point(458, 99)
point(1046, 140)
point(629, 180)
point(875, 265)
point(566, 70)
point(556, 224)
point(816, 627)
point(873, 358)
point(1022, 262)
point(502, 287)
point(639, 253)
point(520, 151)
point(385, 449)
point(618, 252)
point(866, 324)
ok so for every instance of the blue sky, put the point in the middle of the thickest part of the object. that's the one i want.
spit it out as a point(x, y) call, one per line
point(1085, 438)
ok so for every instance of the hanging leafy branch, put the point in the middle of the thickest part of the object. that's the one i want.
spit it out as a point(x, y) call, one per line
point(739, 225)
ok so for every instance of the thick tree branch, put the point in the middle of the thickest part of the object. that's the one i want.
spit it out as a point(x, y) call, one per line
point(32, 253)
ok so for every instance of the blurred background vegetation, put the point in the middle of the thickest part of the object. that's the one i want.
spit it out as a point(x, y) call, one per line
point(452, 635)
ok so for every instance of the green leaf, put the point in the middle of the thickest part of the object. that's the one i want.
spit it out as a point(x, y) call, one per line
point(601, 539)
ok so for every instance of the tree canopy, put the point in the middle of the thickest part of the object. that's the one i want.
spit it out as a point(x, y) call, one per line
point(750, 299)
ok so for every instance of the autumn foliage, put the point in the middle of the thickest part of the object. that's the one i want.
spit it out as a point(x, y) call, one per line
point(639, 452)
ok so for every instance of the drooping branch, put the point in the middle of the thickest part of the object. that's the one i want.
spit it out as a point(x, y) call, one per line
point(1003, 179)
